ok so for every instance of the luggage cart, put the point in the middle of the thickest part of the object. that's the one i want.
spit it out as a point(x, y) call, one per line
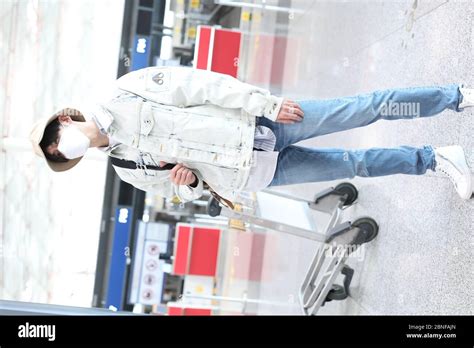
point(338, 240)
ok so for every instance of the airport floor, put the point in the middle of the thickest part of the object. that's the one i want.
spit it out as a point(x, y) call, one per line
point(420, 263)
point(49, 234)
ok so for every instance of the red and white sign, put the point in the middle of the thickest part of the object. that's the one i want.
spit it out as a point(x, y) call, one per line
point(217, 50)
point(175, 308)
point(196, 250)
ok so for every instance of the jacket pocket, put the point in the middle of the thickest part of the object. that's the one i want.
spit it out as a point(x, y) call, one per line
point(147, 118)
point(147, 122)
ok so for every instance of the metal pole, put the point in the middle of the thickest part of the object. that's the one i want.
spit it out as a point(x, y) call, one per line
point(273, 225)
point(236, 299)
point(31, 308)
point(262, 6)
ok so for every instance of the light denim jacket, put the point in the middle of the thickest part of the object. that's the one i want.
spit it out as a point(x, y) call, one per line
point(202, 119)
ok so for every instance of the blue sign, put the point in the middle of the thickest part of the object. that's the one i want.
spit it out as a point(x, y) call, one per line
point(140, 52)
point(116, 284)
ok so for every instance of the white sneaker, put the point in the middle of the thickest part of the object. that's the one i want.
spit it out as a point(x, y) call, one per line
point(451, 161)
point(467, 97)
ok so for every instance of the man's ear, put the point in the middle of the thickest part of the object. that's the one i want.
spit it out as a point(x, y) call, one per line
point(65, 120)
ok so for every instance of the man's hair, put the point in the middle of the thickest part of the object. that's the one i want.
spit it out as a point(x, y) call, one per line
point(50, 136)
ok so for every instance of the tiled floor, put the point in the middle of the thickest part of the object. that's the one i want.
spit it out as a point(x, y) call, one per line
point(49, 224)
point(420, 262)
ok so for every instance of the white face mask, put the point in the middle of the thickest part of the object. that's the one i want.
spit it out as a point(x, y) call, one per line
point(73, 142)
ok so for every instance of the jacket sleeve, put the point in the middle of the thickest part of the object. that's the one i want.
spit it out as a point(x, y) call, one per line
point(186, 86)
point(162, 186)
point(187, 193)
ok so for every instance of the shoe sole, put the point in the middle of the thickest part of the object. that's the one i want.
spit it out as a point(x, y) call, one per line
point(472, 180)
point(467, 172)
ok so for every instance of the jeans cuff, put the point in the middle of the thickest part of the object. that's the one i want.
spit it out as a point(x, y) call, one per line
point(429, 156)
point(461, 85)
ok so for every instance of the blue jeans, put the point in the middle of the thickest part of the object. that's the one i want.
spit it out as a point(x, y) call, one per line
point(298, 164)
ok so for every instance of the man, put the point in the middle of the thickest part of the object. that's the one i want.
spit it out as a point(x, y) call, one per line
point(238, 137)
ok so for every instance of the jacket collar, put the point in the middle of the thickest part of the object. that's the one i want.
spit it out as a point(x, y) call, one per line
point(103, 119)
point(101, 116)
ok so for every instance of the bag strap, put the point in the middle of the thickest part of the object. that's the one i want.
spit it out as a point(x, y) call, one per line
point(134, 165)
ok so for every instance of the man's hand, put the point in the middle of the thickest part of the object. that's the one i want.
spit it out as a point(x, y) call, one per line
point(290, 112)
point(180, 175)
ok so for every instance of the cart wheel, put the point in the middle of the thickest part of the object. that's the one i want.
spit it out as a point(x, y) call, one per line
point(213, 208)
point(348, 189)
point(337, 293)
point(369, 227)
